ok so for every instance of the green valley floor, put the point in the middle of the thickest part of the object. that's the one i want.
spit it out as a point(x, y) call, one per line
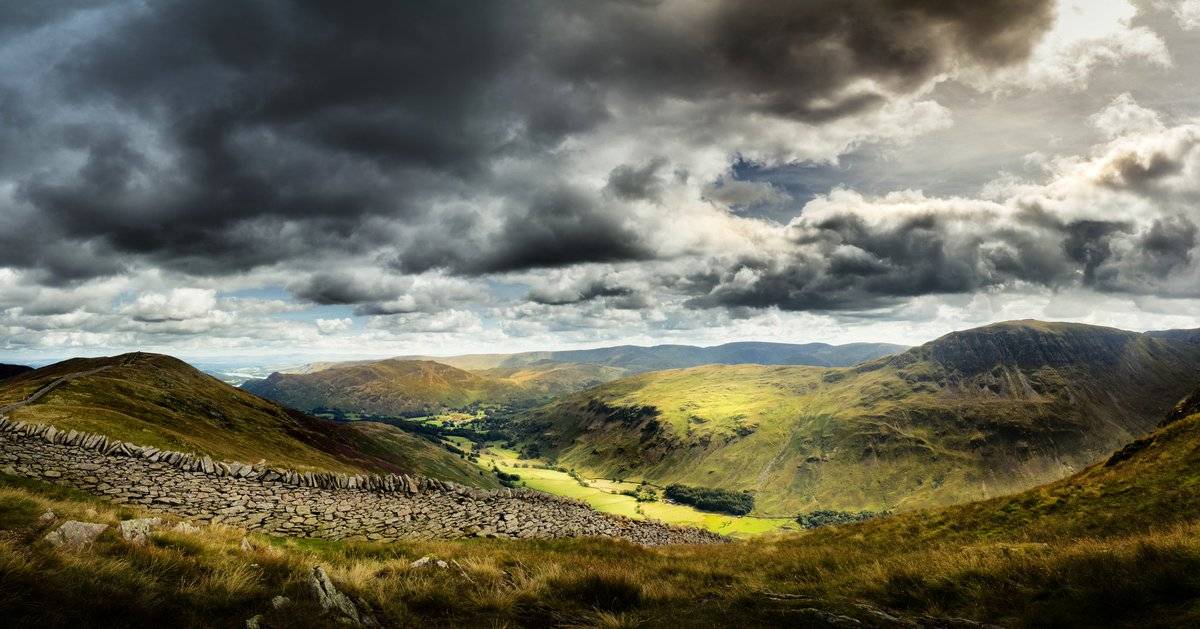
point(605, 495)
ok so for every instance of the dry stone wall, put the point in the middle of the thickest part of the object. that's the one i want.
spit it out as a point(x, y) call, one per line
point(287, 502)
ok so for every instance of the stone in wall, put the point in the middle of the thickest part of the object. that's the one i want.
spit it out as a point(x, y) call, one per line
point(308, 504)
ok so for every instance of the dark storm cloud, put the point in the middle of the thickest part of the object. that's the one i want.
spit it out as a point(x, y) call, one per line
point(794, 59)
point(1089, 244)
point(218, 137)
point(338, 289)
point(1168, 244)
point(549, 228)
point(844, 262)
point(594, 290)
point(636, 183)
point(19, 17)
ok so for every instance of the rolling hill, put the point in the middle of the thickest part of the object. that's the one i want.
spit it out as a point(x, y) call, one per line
point(973, 414)
point(390, 387)
point(151, 399)
point(8, 371)
point(549, 378)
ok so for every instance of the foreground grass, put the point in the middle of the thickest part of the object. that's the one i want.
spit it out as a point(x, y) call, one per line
point(207, 579)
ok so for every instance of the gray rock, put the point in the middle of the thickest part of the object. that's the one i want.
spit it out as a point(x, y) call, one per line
point(136, 531)
point(186, 527)
point(47, 517)
point(331, 600)
point(74, 535)
point(428, 561)
point(254, 622)
point(279, 602)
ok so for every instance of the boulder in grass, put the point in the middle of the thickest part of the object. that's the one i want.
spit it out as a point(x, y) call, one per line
point(74, 535)
point(136, 531)
point(186, 528)
point(430, 562)
point(331, 600)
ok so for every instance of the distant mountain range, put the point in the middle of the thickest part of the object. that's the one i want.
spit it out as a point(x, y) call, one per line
point(638, 359)
point(972, 414)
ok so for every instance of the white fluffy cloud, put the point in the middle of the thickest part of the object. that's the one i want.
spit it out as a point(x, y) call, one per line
point(1188, 13)
point(179, 304)
point(334, 326)
point(1087, 35)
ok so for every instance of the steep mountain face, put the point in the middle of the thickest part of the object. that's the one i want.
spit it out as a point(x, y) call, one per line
point(1150, 483)
point(157, 400)
point(388, 387)
point(637, 359)
point(972, 414)
point(8, 371)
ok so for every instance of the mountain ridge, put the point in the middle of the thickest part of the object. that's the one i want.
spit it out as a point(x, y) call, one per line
point(673, 356)
point(972, 414)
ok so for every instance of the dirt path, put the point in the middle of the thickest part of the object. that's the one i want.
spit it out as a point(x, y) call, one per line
point(40, 393)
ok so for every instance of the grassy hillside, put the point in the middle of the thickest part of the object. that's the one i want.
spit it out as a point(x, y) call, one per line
point(396, 387)
point(970, 415)
point(1115, 545)
point(387, 387)
point(8, 371)
point(550, 378)
point(1150, 483)
point(157, 400)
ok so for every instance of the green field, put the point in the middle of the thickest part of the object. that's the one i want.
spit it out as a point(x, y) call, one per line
point(604, 495)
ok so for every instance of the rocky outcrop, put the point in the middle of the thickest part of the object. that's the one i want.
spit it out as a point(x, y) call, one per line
point(334, 602)
point(309, 504)
point(138, 530)
point(74, 535)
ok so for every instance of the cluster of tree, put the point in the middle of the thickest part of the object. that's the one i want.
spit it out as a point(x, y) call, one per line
point(825, 517)
point(708, 499)
point(433, 432)
point(642, 493)
point(506, 479)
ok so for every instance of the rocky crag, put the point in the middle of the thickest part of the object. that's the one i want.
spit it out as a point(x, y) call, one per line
point(285, 502)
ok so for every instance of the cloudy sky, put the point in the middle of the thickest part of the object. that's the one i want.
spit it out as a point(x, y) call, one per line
point(287, 177)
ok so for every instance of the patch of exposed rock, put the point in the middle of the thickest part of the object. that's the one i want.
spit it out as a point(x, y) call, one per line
point(74, 535)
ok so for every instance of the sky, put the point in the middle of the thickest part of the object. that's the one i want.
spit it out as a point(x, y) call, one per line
point(282, 178)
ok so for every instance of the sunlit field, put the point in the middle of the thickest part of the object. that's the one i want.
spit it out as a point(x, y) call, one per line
point(605, 495)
